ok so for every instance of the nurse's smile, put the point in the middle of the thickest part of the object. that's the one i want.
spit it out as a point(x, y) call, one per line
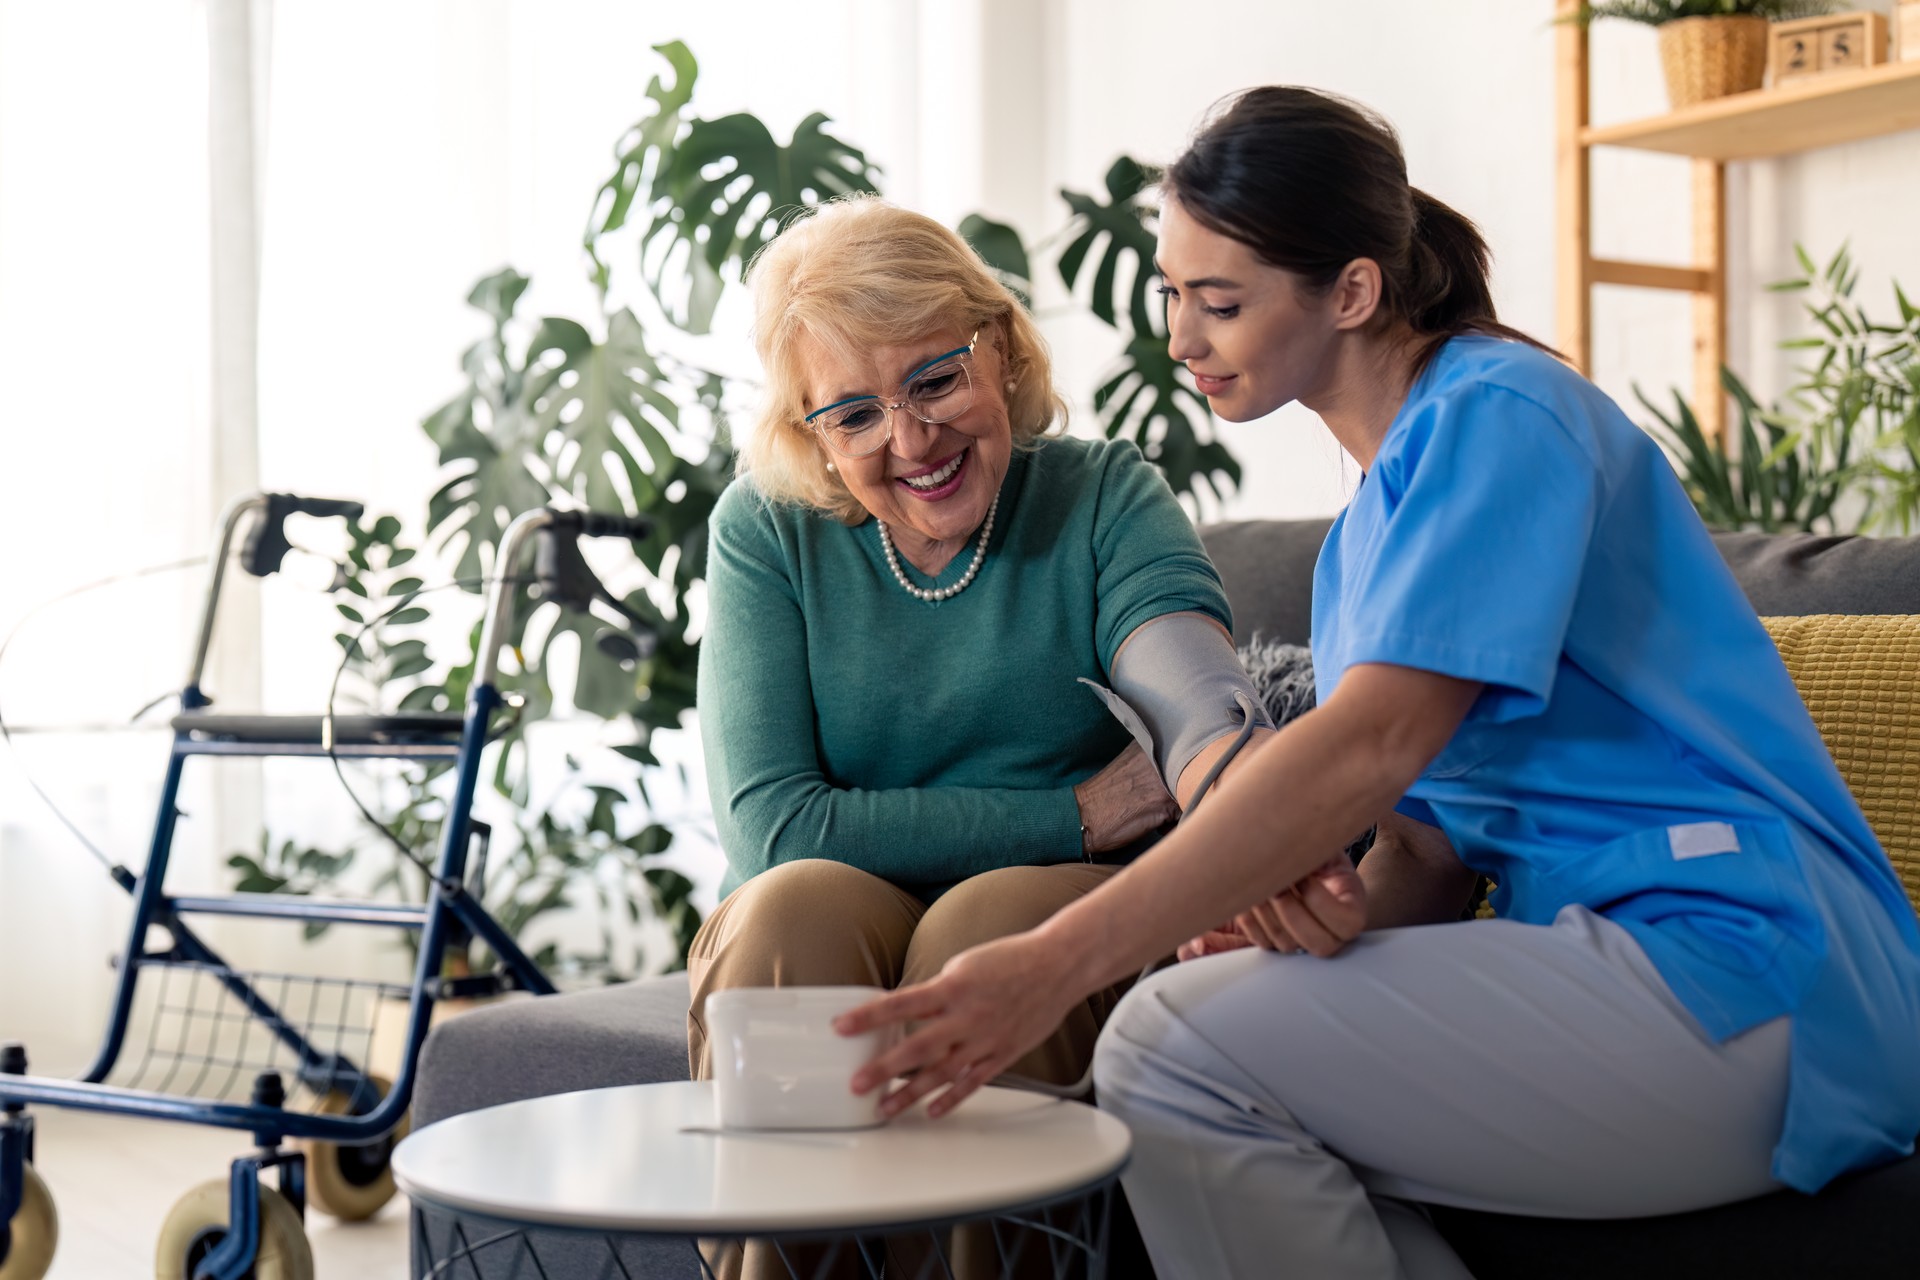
point(1211, 386)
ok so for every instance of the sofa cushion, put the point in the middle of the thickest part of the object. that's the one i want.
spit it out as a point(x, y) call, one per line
point(1267, 569)
point(1860, 678)
point(1795, 573)
point(635, 1033)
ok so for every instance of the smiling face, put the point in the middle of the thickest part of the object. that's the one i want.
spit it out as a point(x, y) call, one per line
point(931, 483)
point(1253, 339)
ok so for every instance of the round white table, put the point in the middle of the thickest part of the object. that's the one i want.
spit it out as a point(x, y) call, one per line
point(647, 1160)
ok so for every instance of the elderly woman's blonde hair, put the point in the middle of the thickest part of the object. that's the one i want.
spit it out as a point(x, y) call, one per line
point(861, 273)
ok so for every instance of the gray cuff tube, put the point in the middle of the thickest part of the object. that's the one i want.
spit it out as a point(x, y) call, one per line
point(1175, 681)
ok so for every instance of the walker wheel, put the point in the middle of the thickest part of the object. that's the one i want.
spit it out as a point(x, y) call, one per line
point(351, 1182)
point(198, 1223)
point(36, 1230)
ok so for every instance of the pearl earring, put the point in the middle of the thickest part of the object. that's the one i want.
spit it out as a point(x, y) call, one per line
point(831, 467)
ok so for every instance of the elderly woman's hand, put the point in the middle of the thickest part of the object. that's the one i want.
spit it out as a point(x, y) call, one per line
point(1123, 802)
point(1319, 915)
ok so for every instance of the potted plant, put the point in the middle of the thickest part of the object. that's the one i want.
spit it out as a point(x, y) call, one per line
point(1840, 451)
point(1708, 48)
point(1862, 375)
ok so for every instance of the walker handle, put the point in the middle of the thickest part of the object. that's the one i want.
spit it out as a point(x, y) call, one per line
point(324, 508)
point(266, 545)
point(601, 524)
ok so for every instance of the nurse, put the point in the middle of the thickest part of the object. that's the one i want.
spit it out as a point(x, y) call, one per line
point(1532, 665)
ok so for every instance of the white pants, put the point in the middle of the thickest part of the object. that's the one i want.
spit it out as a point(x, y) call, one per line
point(1286, 1109)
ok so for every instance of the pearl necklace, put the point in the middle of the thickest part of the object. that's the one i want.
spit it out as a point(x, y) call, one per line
point(936, 595)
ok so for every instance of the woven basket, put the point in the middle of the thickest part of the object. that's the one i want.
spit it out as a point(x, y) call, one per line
point(1713, 57)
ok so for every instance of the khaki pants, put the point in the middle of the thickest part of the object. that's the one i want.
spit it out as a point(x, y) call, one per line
point(817, 923)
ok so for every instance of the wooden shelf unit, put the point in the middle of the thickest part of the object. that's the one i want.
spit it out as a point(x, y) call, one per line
point(1820, 111)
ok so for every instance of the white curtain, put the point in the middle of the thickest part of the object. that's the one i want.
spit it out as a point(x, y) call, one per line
point(104, 357)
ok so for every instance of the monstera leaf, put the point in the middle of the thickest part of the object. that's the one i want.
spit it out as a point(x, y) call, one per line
point(638, 155)
point(711, 192)
point(723, 192)
point(582, 390)
point(1121, 223)
point(484, 435)
point(1001, 248)
point(1148, 400)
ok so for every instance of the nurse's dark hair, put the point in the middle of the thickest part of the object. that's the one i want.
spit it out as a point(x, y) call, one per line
point(1310, 182)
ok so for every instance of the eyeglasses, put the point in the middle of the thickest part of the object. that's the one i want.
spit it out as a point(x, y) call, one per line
point(938, 391)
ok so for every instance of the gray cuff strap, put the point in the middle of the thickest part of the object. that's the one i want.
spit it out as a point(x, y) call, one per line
point(1174, 687)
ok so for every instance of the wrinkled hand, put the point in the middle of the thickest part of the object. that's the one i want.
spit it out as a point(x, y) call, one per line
point(1319, 915)
point(1124, 801)
point(987, 1007)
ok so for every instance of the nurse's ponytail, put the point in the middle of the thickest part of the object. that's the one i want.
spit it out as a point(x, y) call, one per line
point(1310, 182)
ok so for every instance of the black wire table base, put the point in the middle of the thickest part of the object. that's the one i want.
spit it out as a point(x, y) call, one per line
point(1061, 1239)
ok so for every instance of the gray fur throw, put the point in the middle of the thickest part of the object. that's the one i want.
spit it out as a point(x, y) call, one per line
point(1282, 675)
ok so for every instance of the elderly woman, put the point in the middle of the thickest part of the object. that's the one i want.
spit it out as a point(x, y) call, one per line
point(907, 583)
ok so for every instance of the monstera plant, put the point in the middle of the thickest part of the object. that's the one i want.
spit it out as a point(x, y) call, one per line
point(1145, 395)
point(710, 193)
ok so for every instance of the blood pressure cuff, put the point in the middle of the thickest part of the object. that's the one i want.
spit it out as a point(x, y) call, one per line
point(1174, 687)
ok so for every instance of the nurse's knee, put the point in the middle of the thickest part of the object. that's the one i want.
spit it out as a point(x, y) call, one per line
point(1172, 1032)
point(1146, 1042)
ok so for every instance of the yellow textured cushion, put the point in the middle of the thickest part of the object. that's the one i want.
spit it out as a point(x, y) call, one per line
point(1860, 677)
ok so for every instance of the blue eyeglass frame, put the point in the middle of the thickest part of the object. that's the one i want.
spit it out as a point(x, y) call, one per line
point(888, 407)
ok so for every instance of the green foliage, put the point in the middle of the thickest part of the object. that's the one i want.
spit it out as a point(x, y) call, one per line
point(715, 191)
point(1863, 381)
point(1005, 254)
point(482, 433)
point(289, 868)
point(1785, 477)
point(1145, 396)
point(1842, 443)
point(554, 860)
point(1655, 13)
point(1120, 221)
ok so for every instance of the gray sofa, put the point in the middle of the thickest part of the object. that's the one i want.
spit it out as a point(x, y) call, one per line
point(636, 1033)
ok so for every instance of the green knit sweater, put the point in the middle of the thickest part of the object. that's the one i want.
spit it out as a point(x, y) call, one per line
point(925, 743)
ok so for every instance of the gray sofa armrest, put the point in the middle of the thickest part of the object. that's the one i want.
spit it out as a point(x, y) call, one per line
point(635, 1033)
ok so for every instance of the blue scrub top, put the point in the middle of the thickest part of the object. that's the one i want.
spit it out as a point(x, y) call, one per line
point(1639, 748)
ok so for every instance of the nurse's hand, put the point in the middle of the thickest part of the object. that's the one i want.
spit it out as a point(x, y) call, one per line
point(987, 1007)
point(1320, 915)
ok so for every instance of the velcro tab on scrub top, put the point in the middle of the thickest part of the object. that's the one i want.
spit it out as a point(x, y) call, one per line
point(1702, 840)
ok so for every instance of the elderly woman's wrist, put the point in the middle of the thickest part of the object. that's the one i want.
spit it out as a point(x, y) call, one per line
point(1087, 835)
